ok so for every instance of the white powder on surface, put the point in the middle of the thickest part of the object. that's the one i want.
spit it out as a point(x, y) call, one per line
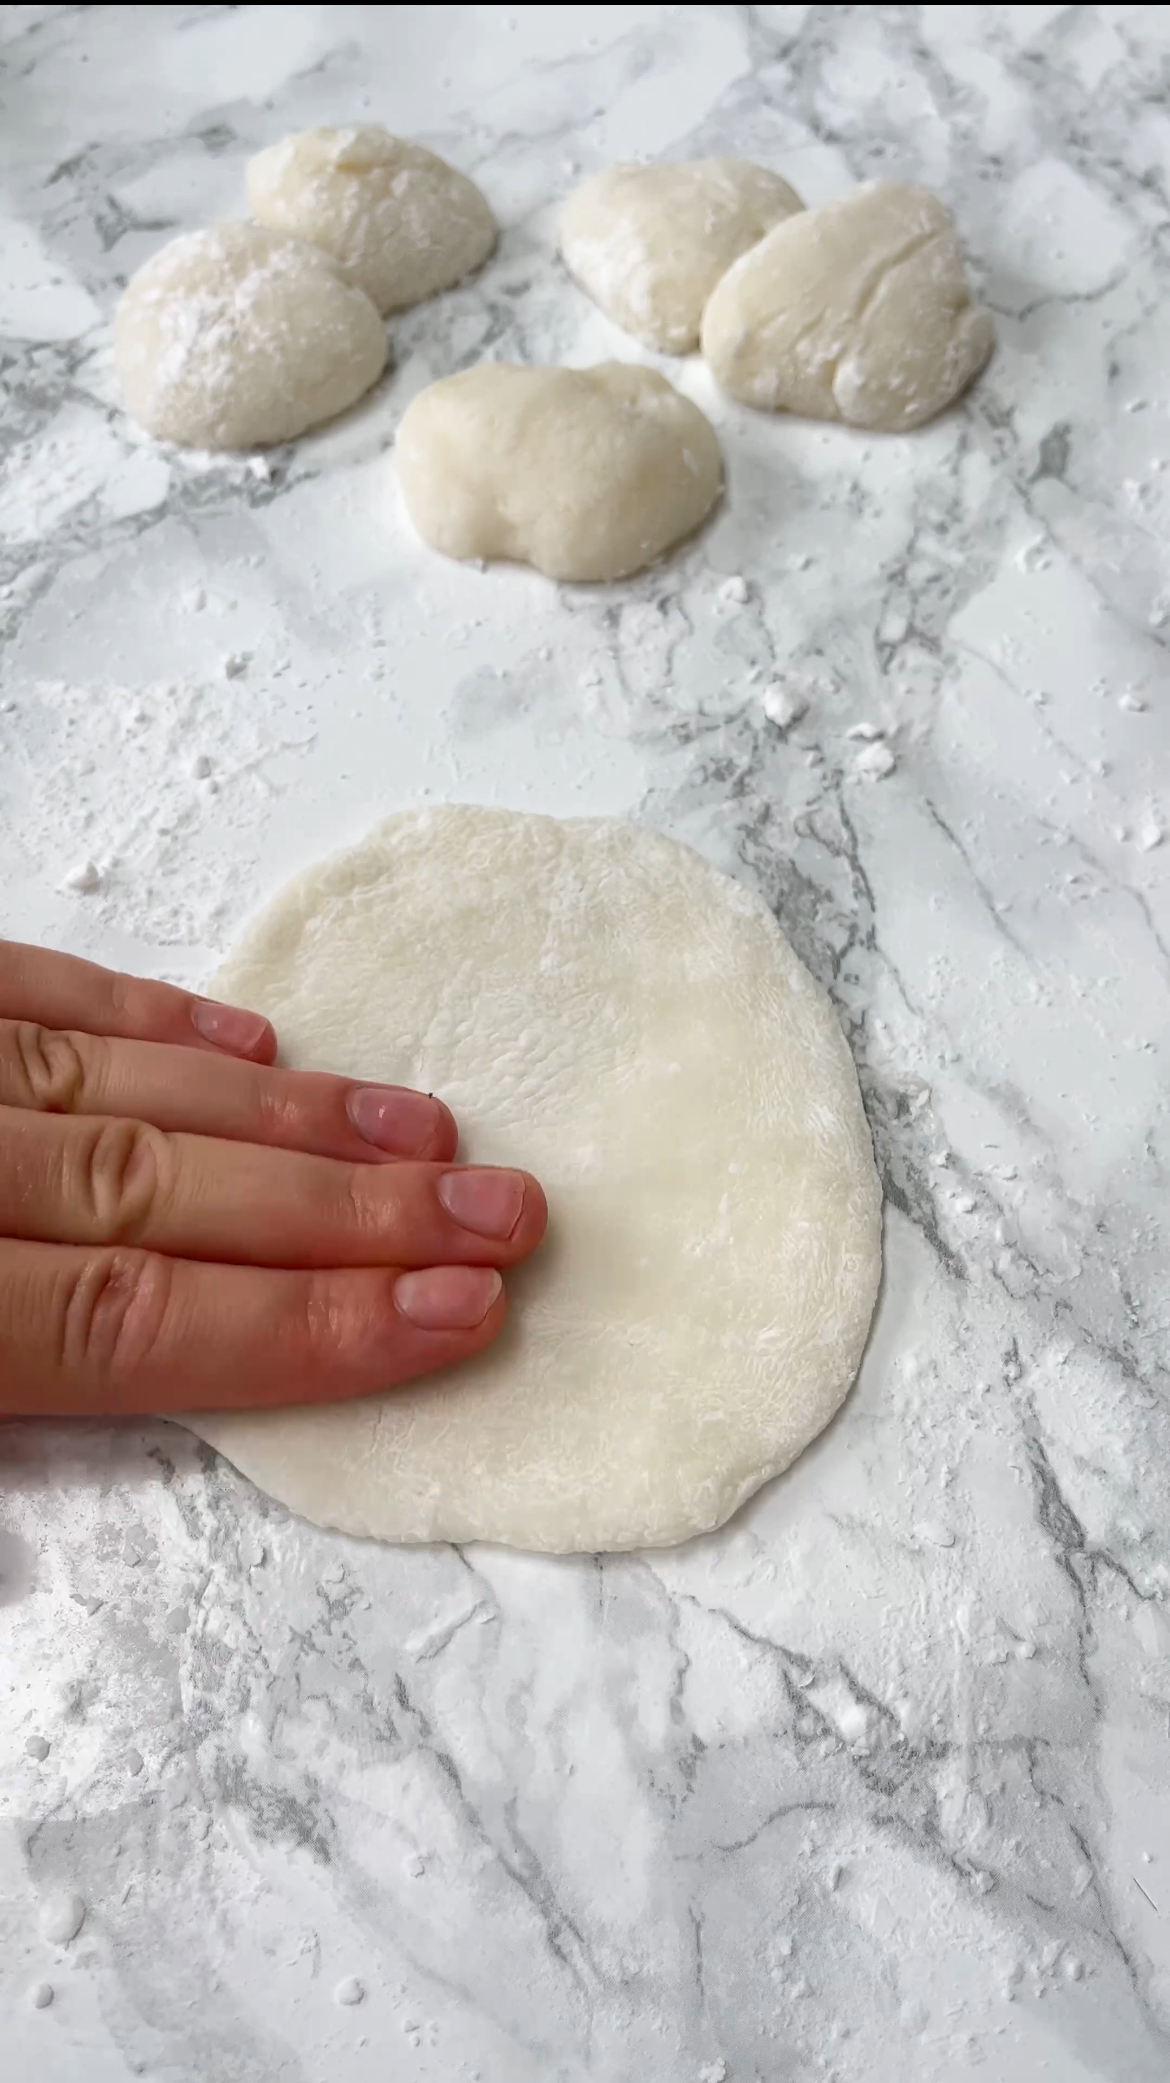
point(61, 1918)
point(101, 794)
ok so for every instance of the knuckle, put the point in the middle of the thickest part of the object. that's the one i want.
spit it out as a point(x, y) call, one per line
point(279, 1118)
point(365, 1202)
point(112, 1310)
point(48, 1068)
point(122, 1177)
point(122, 993)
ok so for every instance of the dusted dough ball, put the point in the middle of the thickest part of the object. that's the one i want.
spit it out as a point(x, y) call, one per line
point(649, 243)
point(858, 311)
point(397, 219)
point(585, 473)
point(235, 337)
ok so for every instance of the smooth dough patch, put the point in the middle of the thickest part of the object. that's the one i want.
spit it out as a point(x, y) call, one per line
point(586, 473)
point(598, 1004)
point(397, 219)
point(649, 243)
point(236, 337)
point(858, 311)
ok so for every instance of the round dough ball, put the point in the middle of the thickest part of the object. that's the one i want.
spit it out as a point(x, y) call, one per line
point(585, 473)
point(396, 218)
point(649, 243)
point(601, 1006)
point(236, 338)
point(858, 311)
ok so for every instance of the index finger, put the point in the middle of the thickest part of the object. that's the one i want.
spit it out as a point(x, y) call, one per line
point(65, 991)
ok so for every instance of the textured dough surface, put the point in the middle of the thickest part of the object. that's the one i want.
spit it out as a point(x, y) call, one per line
point(858, 311)
point(649, 243)
point(236, 337)
point(600, 1005)
point(396, 218)
point(585, 473)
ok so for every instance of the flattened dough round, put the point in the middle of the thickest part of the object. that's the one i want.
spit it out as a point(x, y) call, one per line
point(649, 243)
point(585, 473)
point(600, 1005)
point(396, 218)
point(858, 311)
point(236, 337)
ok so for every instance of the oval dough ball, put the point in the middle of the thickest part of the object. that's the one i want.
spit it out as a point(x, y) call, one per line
point(649, 243)
point(585, 473)
point(601, 1006)
point(857, 311)
point(396, 218)
point(236, 338)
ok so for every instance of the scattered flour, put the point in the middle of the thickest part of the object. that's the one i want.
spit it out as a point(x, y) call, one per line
point(874, 761)
point(61, 1918)
point(783, 705)
point(106, 800)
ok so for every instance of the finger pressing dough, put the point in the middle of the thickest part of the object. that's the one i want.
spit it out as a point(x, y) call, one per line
point(585, 473)
point(398, 220)
point(601, 1006)
point(858, 311)
point(236, 337)
point(649, 243)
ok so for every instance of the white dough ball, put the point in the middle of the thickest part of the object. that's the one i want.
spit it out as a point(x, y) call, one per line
point(858, 311)
point(396, 218)
point(235, 338)
point(649, 243)
point(585, 473)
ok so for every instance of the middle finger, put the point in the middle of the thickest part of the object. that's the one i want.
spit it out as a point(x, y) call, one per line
point(65, 1180)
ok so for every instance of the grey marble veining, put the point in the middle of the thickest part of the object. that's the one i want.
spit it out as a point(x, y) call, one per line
point(873, 1786)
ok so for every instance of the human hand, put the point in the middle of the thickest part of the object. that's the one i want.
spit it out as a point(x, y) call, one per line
point(183, 1227)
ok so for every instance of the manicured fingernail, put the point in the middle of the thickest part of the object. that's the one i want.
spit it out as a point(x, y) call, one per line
point(228, 1026)
point(488, 1202)
point(393, 1118)
point(447, 1298)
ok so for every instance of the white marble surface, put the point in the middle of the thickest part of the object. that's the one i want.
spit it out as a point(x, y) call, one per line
point(873, 1786)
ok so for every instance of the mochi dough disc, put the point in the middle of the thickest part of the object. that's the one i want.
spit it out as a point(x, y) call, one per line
point(602, 1007)
point(857, 311)
point(396, 218)
point(649, 243)
point(585, 473)
point(237, 337)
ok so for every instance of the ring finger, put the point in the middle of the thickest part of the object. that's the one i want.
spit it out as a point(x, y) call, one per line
point(54, 1072)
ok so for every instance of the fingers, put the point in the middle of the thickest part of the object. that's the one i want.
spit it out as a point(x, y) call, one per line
point(211, 1095)
point(87, 1181)
point(63, 991)
point(84, 1333)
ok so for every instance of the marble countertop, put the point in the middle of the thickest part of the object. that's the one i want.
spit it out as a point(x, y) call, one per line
point(874, 1786)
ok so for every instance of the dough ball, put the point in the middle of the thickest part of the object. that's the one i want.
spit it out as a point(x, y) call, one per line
point(858, 311)
point(397, 219)
point(600, 1005)
point(649, 243)
point(585, 473)
point(235, 337)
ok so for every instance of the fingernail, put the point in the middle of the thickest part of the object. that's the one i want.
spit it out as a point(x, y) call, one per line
point(228, 1026)
point(488, 1202)
point(447, 1298)
point(393, 1118)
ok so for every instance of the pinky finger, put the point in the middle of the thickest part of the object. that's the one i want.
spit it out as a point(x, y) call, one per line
point(63, 991)
point(119, 1331)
